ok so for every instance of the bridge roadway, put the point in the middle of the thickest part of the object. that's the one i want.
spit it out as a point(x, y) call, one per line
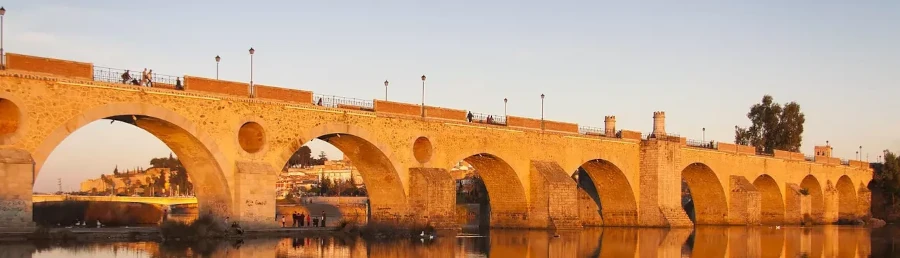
point(233, 146)
point(132, 199)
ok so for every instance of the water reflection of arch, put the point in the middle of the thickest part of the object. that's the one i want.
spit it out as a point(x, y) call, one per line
point(847, 202)
point(617, 200)
point(710, 204)
point(816, 198)
point(198, 153)
point(771, 200)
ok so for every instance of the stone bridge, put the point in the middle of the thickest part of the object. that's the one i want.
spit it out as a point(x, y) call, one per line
point(167, 201)
point(233, 145)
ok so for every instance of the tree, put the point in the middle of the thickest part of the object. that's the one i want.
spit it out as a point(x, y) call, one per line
point(773, 127)
point(116, 170)
point(302, 157)
point(887, 175)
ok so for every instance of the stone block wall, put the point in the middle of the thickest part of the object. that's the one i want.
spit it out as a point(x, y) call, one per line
point(445, 113)
point(523, 122)
point(432, 198)
point(864, 202)
point(793, 206)
point(552, 196)
point(269, 92)
point(16, 171)
point(588, 210)
point(744, 149)
point(49, 65)
point(397, 108)
point(255, 195)
point(744, 208)
point(240, 89)
point(659, 205)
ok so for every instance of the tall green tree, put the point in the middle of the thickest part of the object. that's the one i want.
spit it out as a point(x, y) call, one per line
point(887, 175)
point(772, 127)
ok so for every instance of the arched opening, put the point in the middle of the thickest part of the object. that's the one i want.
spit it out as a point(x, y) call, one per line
point(363, 161)
point(816, 197)
point(588, 199)
point(488, 192)
point(703, 197)
point(771, 201)
point(172, 161)
point(618, 206)
point(317, 182)
point(847, 207)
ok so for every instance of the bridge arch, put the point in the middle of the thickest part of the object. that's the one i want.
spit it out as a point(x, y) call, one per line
point(505, 192)
point(384, 183)
point(197, 152)
point(617, 200)
point(816, 198)
point(847, 203)
point(771, 200)
point(707, 193)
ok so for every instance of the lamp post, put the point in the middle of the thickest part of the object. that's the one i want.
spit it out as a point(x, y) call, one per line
point(2, 54)
point(251, 72)
point(857, 155)
point(217, 66)
point(423, 95)
point(504, 107)
point(542, 111)
point(860, 153)
point(385, 89)
point(704, 135)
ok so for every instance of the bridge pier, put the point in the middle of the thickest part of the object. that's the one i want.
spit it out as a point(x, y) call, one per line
point(660, 195)
point(432, 197)
point(254, 195)
point(553, 197)
point(17, 174)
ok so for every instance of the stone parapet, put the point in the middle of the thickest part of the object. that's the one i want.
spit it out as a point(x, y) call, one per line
point(192, 83)
point(627, 134)
point(277, 93)
point(445, 113)
point(397, 108)
point(52, 66)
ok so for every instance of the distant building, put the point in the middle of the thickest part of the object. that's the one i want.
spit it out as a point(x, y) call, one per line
point(298, 179)
point(124, 180)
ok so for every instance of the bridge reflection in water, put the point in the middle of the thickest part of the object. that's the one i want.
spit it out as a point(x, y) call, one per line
point(823, 241)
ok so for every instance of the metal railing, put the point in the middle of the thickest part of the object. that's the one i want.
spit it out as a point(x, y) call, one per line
point(114, 75)
point(488, 119)
point(661, 136)
point(337, 101)
point(809, 158)
point(845, 162)
point(588, 130)
point(763, 153)
point(702, 144)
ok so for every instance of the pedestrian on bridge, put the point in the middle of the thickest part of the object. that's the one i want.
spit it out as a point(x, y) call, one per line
point(302, 217)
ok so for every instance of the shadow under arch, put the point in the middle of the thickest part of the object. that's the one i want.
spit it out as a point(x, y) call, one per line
point(847, 202)
point(619, 207)
point(707, 193)
point(816, 198)
point(197, 152)
point(506, 196)
point(771, 200)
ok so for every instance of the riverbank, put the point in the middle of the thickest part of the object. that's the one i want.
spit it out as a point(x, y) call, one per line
point(151, 234)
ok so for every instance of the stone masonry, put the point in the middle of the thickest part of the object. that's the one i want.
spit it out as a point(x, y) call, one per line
point(232, 145)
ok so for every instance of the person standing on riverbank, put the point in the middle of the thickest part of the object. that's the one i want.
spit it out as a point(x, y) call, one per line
point(302, 217)
point(282, 220)
point(323, 219)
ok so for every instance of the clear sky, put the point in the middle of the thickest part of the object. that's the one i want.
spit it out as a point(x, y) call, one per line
point(704, 64)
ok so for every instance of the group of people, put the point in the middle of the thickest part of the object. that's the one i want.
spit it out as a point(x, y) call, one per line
point(146, 79)
point(488, 120)
point(304, 220)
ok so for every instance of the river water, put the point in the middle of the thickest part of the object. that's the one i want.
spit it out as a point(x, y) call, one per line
point(820, 241)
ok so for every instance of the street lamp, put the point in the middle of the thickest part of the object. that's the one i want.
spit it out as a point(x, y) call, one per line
point(704, 135)
point(542, 111)
point(251, 72)
point(2, 54)
point(385, 89)
point(217, 66)
point(504, 107)
point(860, 153)
point(423, 95)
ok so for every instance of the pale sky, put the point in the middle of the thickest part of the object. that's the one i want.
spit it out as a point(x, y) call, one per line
point(704, 64)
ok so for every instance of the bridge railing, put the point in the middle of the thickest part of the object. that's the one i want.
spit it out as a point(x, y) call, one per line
point(339, 102)
point(483, 119)
point(590, 130)
point(809, 158)
point(845, 162)
point(114, 75)
point(702, 144)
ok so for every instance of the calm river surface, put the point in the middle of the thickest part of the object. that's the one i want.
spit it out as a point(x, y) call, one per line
point(821, 241)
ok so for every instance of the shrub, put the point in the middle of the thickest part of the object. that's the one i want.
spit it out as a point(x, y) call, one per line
point(204, 227)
